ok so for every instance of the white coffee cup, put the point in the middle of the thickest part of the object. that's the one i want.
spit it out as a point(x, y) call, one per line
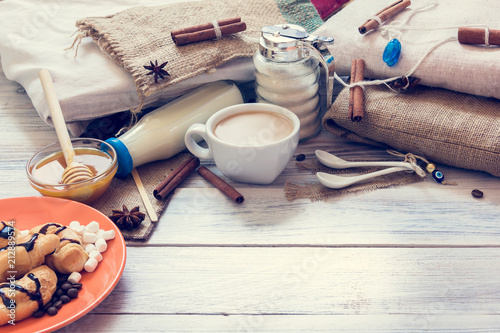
point(253, 143)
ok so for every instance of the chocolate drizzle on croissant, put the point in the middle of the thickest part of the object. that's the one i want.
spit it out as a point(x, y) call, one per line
point(33, 295)
point(69, 256)
point(5, 299)
point(6, 230)
point(46, 227)
point(29, 245)
point(27, 295)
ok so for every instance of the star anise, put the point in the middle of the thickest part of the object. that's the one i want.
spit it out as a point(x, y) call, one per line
point(127, 220)
point(157, 70)
point(404, 83)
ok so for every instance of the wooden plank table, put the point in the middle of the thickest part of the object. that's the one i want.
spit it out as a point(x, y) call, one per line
point(420, 257)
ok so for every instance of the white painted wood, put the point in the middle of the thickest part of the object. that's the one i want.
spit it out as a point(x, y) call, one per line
point(308, 281)
point(285, 323)
point(421, 257)
point(413, 214)
point(284, 289)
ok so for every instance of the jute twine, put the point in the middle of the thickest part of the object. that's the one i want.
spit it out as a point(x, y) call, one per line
point(445, 127)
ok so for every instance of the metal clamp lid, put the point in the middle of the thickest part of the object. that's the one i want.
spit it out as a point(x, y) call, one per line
point(288, 42)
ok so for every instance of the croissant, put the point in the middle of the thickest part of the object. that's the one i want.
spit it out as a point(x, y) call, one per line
point(70, 256)
point(28, 253)
point(6, 231)
point(26, 295)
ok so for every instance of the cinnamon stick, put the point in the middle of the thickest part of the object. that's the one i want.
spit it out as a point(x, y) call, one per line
point(221, 185)
point(384, 14)
point(175, 178)
point(356, 98)
point(206, 31)
point(480, 36)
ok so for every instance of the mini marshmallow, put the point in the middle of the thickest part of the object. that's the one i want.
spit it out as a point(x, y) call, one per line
point(89, 237)
point(101, 245)
point(24, 233)
point(90, 265)
point(100, 233)
point(89, 248)
point(80, 230)
point(74, 277)
point(109, 235)
point(96, 254)
point(74, 224)
point(93, 227)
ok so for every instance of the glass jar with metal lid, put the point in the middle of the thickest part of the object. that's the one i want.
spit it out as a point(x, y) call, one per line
point(287, 70)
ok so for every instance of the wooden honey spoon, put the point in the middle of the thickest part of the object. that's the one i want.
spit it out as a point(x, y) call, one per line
point(75, 171)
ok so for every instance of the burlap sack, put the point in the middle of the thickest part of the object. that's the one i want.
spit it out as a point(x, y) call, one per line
point(135, 37)
point(316, 191)
point(443, 126)
point(123, 191)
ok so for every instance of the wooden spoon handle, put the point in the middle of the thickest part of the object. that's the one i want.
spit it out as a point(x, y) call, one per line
point(57, 116)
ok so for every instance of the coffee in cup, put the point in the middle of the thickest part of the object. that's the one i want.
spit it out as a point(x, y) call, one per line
point(249, 143)
point(253, 128)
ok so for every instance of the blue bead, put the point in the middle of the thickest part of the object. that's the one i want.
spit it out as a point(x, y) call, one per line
point(392, 52)
point(438, 176)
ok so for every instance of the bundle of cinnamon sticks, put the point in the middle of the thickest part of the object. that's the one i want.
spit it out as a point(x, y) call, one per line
point(184, 170)
point(207, 31)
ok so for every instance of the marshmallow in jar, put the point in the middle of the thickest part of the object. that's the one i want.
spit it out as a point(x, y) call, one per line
point(287, 70)
point(160, 134)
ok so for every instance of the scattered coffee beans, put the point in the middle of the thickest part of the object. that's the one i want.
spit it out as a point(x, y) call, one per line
point(477, 193)
point(66, 291)
point(52, 311)
point(300, 157)
point(39, 313)
point(73, 293)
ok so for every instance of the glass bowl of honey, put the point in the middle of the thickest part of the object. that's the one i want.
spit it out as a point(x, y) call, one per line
point(46, 167)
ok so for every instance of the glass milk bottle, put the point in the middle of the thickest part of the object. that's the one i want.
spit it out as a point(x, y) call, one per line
point(160, 133)
point(287, 73)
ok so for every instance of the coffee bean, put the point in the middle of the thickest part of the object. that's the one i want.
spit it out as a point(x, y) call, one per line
point(39, 314)
point(300, 157)
point(77, 285)
point(58, 304)
point(477, 193)
point(59, 292)
point(73, 293)
point(65, 299)
point(52, 311)
point(66, 286)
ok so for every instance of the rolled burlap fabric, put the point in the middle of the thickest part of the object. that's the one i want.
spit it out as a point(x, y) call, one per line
point(443, 126)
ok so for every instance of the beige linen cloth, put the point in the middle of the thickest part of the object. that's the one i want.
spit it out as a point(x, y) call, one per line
point(465, 68)
point(134, 37)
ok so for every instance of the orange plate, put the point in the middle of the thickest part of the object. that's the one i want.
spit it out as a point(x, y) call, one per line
point(31, 211)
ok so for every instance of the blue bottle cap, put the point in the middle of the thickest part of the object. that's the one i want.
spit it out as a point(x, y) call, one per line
point(125, 163)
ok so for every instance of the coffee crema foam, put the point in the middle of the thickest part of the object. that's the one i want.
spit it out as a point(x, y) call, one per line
point(253, 128)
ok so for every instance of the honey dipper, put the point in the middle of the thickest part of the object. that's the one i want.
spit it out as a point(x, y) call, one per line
point(75, 171)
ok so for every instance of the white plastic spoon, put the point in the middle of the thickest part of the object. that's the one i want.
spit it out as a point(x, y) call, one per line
point(336, 162)
point(335, 181)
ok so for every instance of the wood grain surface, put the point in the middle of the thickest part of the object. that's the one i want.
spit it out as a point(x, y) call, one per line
point(415, 258)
